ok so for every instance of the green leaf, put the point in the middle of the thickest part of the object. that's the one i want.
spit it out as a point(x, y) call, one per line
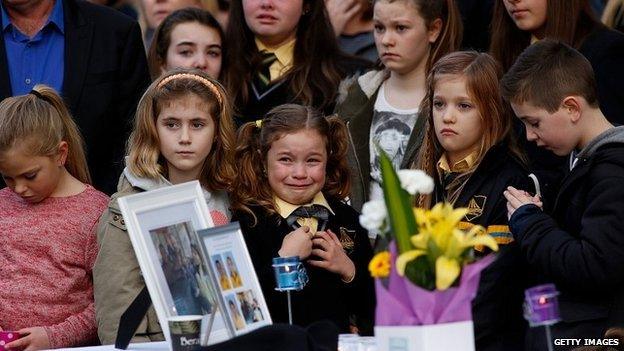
point(421, 273)
point(400, 212)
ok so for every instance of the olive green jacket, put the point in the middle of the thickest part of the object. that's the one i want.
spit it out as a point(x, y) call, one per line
point(117, 278)
point(355, 106)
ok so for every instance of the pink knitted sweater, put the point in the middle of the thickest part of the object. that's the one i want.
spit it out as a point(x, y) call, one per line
point(47, 251)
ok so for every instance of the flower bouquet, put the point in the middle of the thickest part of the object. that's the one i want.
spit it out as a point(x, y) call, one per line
point(428, 276)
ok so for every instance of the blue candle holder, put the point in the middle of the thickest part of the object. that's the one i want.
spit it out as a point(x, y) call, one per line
point(290, 274)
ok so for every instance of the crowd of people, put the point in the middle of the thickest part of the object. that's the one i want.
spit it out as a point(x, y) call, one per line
point(280, 109)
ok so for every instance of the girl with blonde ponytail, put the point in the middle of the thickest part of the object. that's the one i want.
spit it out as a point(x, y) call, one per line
point(48, 215)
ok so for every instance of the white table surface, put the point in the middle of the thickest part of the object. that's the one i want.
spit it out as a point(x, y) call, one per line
point(151, 346)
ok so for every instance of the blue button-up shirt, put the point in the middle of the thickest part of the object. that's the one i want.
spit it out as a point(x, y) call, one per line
point(39, 59)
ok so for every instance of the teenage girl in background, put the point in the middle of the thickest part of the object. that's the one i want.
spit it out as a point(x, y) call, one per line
point(282, 52)
point(518, 23)
point(187, 38)
point(382, 105)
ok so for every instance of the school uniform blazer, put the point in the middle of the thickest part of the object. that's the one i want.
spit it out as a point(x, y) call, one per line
point(325, 296)
point(279, 92)
point(356, 108)
point(105, 75)
point(580, 246)
point(497, 308)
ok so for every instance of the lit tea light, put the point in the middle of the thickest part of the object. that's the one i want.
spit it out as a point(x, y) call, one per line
point(541, 308)
point(290, 274)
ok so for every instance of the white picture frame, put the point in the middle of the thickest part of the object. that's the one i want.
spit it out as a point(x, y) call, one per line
point(169, 217)
point(240, 293)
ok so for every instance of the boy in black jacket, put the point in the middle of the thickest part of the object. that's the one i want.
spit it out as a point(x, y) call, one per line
point(580, 246)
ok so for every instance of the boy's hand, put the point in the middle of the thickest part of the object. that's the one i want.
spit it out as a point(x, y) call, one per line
point(34, 338)
point(518, 198)
point(297, 243)
point(333, 258)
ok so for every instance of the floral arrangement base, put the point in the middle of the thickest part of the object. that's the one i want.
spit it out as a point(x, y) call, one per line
point(458, 336)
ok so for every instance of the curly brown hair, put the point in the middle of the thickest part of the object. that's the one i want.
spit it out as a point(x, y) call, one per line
point(251, 186)
point(144, 156)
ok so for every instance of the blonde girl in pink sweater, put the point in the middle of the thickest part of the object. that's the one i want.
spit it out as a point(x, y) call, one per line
point(48, 214)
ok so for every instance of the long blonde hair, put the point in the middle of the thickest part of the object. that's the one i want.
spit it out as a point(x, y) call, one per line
point(41, 121)
point(482, 75)
point(145, 158)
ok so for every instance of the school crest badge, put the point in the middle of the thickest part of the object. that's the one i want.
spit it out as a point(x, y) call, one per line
point(475, 207)
point(347, 238)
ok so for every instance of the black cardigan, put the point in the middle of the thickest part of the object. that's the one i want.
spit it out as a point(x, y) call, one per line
point(325, 296)
point(497, 308)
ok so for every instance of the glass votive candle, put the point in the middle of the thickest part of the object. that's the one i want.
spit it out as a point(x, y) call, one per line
point(367, 343)
point(541, 306)
point(348, 342)
point(289, 273)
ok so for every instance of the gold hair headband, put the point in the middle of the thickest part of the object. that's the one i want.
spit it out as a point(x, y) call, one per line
point(258, 123)
point(213, 88)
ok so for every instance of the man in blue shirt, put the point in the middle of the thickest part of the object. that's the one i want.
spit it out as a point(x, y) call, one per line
point(27, 51)
point(93, 56)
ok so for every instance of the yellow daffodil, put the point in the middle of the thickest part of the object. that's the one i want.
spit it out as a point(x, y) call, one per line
point(475, 236)
point(405, 258)
point(379, 266)
point(447, 270)
point(436, 234)
point(440, 238)
point(421, 239)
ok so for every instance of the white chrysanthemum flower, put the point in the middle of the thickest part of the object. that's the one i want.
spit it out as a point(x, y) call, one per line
point(415, 181)
point(373, 217)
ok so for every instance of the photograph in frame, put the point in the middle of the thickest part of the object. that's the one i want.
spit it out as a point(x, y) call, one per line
point(162, 227)
point(234, 275)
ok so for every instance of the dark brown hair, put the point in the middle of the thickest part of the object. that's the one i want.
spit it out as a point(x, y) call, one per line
point(451, 32)
point(251, 188)
point(157, 54)
point(482, 74)
point(567, 20)
point(315, 73)
point(549, 66)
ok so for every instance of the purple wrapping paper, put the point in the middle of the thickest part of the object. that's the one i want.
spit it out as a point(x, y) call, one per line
point(403, 303)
